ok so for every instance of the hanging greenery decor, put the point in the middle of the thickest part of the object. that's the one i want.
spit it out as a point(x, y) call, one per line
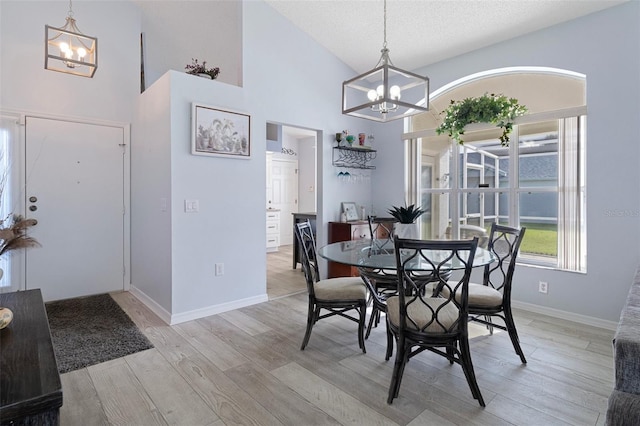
point(495, 109)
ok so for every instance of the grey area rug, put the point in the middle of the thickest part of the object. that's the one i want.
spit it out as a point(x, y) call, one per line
point(90, 330)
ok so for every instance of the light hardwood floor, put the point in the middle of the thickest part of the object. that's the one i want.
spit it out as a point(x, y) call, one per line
point(245, 367)
point(282, 279)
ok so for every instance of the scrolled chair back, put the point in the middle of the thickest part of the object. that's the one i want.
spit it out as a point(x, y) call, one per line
point(423, 306)
point(504, 244)
point(304, 234)
point(382, 227)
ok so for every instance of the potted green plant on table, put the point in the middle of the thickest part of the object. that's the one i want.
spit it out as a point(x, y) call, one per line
point(495, 109)
point(406, 216)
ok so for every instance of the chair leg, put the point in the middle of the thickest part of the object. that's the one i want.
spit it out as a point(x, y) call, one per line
point(398, 368)
point(450, 354)
point(390, 340)
point(405, 360)
point(361, 325)
point(311, 319)
point(513, 334)
point(374, 312)
point(467, 367)
point(487, 318)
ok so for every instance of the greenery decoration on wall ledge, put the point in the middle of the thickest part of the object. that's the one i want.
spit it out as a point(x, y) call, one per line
point(495, 109)
point(196, 68)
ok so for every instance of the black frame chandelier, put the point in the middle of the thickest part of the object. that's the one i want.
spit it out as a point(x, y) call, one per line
point(386, 92)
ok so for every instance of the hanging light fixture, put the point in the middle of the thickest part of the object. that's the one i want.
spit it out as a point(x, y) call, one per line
point(68, 50)
point(386, 92)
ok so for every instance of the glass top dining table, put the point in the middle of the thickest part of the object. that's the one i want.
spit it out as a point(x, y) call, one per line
point(380, 254)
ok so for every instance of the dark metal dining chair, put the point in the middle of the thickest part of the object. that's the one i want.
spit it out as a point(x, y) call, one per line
point(382, 283)
point(493, 296)
point(420, 321)
point(335, 295)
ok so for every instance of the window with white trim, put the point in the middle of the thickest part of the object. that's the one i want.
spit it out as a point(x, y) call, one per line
point(536, 182)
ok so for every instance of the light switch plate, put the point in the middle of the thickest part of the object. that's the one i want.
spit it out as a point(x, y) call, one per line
point(191, 206)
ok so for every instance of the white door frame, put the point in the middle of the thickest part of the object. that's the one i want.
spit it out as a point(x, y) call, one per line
point(19, 265)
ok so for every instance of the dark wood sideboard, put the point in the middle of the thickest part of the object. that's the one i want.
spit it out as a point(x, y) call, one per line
point(30, 387)
point(297, 218)
point(347, 231)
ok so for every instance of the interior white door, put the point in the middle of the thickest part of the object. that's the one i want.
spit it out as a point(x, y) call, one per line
point(284, 190)
point(75, 190)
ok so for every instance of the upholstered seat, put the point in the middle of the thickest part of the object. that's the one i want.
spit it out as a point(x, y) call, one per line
point(421, 314)
point(340, 288)
point(484, 296)
point(480, 295)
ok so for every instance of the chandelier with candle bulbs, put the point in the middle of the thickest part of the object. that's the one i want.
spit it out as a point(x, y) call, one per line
point(69, 51)
point(386, 92)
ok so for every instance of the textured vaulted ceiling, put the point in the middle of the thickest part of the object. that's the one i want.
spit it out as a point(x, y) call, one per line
point(421, 32)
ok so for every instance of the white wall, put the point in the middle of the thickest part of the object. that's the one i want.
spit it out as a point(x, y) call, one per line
point(291, 79)
point(606, 47)
point(173, 268)
point(26, 86)
point(230, 226)
point(152, 198)
point(209, 31)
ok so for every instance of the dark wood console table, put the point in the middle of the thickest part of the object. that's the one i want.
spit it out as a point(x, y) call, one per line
point(30, 387)
point(297, 218)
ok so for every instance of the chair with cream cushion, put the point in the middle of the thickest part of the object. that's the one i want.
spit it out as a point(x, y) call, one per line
point(418, 320)
point(336, 295)
point(492, 298)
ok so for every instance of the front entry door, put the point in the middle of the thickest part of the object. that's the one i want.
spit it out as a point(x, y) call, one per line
point(75, 190)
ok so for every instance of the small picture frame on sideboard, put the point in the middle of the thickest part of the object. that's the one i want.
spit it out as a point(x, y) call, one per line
point(350, 210)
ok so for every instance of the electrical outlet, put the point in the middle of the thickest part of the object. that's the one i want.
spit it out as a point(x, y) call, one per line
point(219, 269)
point(543, 287)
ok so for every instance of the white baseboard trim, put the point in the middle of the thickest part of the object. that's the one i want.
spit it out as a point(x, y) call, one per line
point(151, 304)
point(217, 309)
point(569, 316)
point(170, 319)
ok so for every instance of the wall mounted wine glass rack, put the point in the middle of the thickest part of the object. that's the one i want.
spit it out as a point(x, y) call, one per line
point(356, 158)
